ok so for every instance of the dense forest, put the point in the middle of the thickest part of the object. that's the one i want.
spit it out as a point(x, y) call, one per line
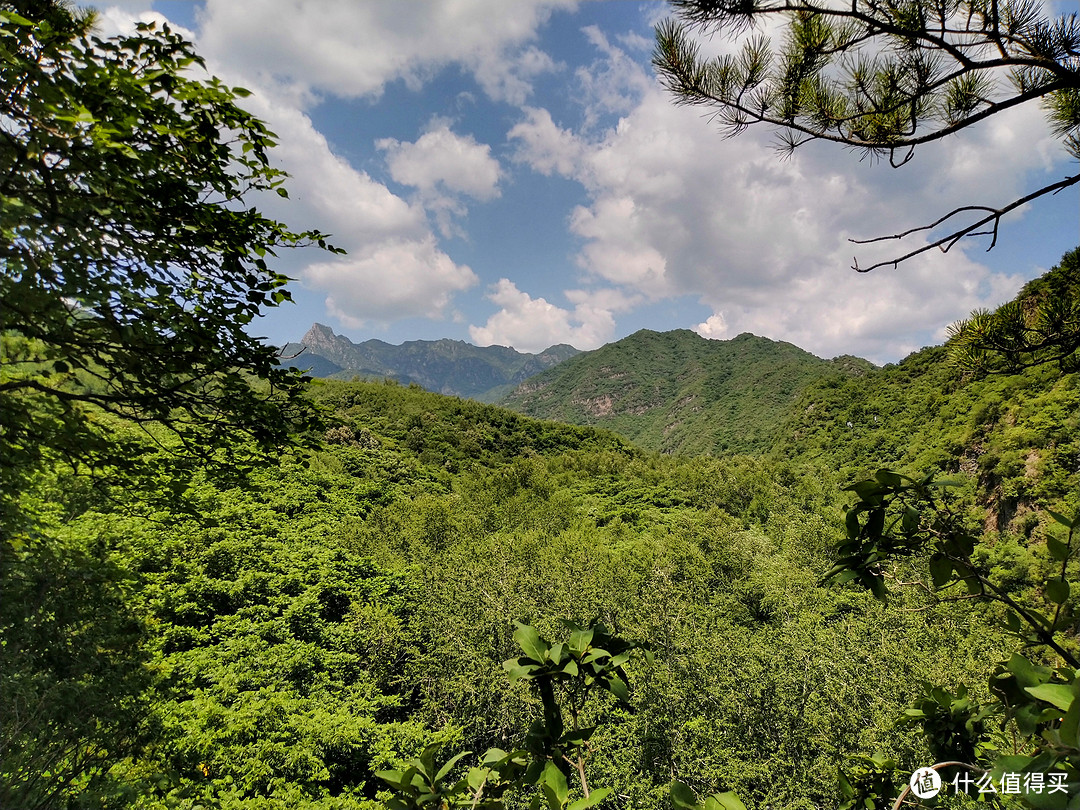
point(226, 585)
point(276, 640)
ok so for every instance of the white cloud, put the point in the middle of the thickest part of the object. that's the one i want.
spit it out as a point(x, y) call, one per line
point(612, 83)
point(120, 18)
point(394, 268)
point(355, 49)
point(533, 324)
point(444, 167)
point(714, 327)
point(545, 146)
point(441, 160)
point(389, 282)
point(507, 75)
point(677, 210)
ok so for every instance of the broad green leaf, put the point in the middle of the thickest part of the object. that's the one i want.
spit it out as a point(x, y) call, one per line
point(555, 779)
point(517, 670)
point(529, 641)
point(889, 478)
point(728, 800)
point(1027, 673)
point(1064, 521)
point(11, 16)
point(477, 777)
point(1057, 694)
point(683, 796)
point(1057, 591)
point(1070, 725)
point(941, 569)
point(445, 769)
point(851, 524)
point(392, 778)
point(617, 686)
point(1058, 550)
point(594, 798)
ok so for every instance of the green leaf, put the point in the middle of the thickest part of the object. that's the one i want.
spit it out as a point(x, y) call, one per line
point(516, 670)
point(594, 798)
point(1064, 521)
point(728, 800)
point(392, 778)
point(682, 796)
point(1058, 550)
point(941, 569)
point(445, 769)
point(1070, 725)
point(576, 738)
point(617, 686)
point(555, 780)
point(851, 524)
point(1057, 591)
point(889, 478)
point(1026, 673)
point(529, 641)
point(12, 17)
point(1057, 694)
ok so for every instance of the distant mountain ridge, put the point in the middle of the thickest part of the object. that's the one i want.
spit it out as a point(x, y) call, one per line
point(679, 392)
point(444, 366)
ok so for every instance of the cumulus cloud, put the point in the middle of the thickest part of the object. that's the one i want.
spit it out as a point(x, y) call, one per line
point(442, 161)
point(675, 209)
point(121, 18)
point(444, 167)
point(394, 267)
point(355, 49)
point(714, 327)
point(544, 146)
point(612, 83)
point(507, 75)
point(533, 324)
point(390, 281)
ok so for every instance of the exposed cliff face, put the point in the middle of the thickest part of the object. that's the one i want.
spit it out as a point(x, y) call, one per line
point(444, 366)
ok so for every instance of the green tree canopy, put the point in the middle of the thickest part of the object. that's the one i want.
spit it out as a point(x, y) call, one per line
point(881, 76)
point(1041, 325)
point(132, 259)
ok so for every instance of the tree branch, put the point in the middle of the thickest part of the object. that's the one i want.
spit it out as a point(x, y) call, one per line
point(946, 242)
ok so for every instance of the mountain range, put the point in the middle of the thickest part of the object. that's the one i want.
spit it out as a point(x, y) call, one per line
point(483, 373)
point(667, 391)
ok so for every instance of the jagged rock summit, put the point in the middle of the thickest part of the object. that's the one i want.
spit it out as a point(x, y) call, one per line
point(444, 366)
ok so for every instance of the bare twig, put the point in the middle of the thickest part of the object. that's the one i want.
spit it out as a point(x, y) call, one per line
point(946, 242)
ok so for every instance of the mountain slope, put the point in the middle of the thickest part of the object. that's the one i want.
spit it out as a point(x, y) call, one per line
point(678, 392)
point(1015, 435)
point(443, 366)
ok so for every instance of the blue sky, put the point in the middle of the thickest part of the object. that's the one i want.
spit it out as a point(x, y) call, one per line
point(513, 174)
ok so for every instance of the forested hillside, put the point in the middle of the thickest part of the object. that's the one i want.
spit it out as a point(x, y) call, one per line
point(275, 640)
point(321, 623)
point(1014, 437)
point(677, 392)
